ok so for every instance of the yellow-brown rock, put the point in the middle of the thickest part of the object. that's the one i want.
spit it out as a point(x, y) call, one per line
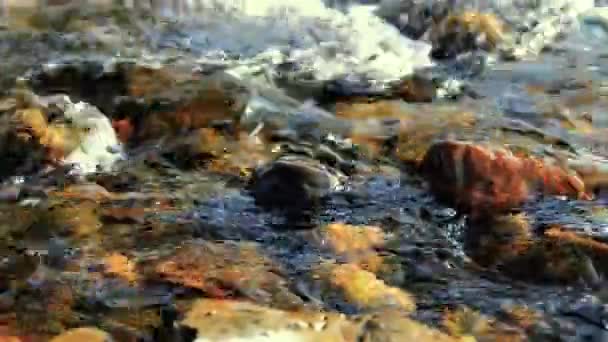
point(355, 243)
point(191, 100)
point(216, 321)
point(83, 334)
point(362, 288)
point(468, 31)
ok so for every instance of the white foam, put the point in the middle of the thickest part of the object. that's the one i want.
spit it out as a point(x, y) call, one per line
point(545, 20)
point(99, 148)
point(326, 41)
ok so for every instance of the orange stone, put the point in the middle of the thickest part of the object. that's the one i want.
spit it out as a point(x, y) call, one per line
point(480, 181)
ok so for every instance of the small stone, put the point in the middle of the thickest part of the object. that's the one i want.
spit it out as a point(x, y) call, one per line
point(292, 183)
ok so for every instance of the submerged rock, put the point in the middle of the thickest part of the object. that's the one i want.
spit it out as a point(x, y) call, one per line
point(218, 152)
point(494, 241)
point(226, 270)
point(516, 248)
point(356, 244)
point(360, 288)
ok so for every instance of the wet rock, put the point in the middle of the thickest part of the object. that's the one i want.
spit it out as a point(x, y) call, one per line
point(116, 182)
point(344, 238)
point(226, 270)
point(10, 194)
point(145, 101)
point(518, 29)
point(413, 128)
point(594, 173)
point(44, 306)
point(120, 266)
point(465, 32)
point(17, 269)
point(362, 110)
point(416, 88)
point(83, 334)
point(478, 180)
point(421, 130)
point(510, 245)
point(123, 215)
point(499, 239)
point(396, 326)
point(294, 184)
point(345, 89)
point(360, 288)
point(210, 320)
point(468, 324)
point(83, 191)
point(189, 102)
point(112, 293)
point(124, 130)
point(76, 135)
point(589, 254)
point(210, 149)
point(76, 219)
point(357, 244)
point(413, 18)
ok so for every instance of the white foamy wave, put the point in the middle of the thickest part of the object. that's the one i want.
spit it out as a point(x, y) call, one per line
point(324, 42)
point(534, 23)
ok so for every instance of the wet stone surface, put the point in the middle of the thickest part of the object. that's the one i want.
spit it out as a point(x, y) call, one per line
point(153, 192)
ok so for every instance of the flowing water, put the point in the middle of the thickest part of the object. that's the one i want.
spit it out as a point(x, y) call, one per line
point(260, 153)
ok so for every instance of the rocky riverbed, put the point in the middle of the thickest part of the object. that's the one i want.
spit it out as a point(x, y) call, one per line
point(372, 172)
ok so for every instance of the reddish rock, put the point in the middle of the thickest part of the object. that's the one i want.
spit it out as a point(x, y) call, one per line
point(480, 181)
point(124, 129)
point(225, 270)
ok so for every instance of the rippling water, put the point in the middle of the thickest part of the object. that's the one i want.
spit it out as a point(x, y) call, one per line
point(547, 104)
